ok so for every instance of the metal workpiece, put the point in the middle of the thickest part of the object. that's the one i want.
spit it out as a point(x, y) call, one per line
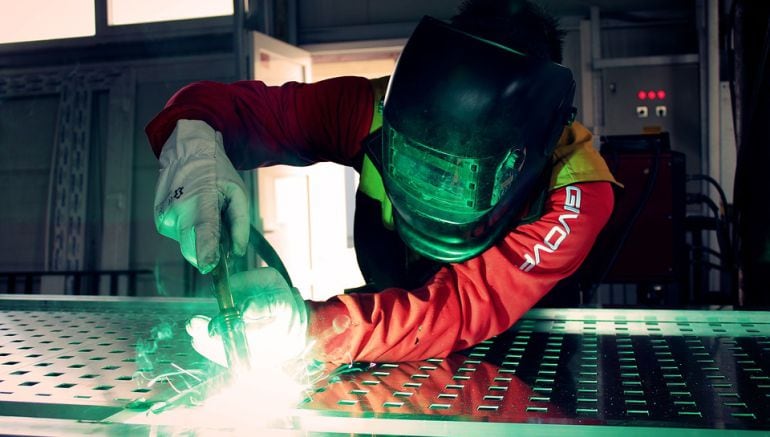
point(95, 352)
point(684, 370)
point(125, 365)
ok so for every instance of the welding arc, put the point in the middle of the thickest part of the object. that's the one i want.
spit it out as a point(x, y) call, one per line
point(229, 322)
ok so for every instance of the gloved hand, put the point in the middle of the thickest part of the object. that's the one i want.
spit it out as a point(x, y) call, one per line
point(274, 316)
point(197, 182)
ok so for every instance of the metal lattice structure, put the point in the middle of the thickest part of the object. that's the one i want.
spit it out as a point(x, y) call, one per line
point(65, 245)
point(682, 373)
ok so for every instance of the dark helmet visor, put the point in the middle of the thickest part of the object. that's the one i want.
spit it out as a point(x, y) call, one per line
point(469, 127)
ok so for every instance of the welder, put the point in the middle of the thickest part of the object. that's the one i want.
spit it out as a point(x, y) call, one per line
point(478, 190)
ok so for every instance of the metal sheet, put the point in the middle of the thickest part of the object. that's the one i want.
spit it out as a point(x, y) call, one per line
point(640, 373)
point(555, 372)
point(84, 353)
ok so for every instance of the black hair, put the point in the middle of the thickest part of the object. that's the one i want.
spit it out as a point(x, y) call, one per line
point(518, 24)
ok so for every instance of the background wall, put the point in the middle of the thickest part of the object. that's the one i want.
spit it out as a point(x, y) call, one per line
point(340, 36)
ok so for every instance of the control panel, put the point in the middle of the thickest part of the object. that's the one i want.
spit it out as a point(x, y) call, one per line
point(652, 99)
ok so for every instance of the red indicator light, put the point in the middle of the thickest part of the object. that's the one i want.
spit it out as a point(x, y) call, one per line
point(661, 94)
point(641, 95)
point(651, 95)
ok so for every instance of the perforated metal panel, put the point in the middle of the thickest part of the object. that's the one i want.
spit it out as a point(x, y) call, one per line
point(646, 371)
point(78, 353)
point(683, 372)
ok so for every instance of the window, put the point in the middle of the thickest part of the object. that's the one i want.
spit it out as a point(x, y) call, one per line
point(36, 20)
point(148, 11)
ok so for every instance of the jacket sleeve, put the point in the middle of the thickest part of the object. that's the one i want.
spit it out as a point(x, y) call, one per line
point(467, 302)
point(294, 124)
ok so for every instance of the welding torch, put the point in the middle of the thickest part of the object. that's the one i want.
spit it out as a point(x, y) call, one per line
point(230, 324)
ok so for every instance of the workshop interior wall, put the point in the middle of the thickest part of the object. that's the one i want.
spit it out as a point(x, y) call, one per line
point(27, 127)
point(320, 14)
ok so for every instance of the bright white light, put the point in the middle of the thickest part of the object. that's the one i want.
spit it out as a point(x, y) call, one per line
point(36, 21)
point(267, 398)
point(149, 11)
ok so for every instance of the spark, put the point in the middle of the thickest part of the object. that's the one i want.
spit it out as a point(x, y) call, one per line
point(264, 397)
point(187, 372)
point(267, 396)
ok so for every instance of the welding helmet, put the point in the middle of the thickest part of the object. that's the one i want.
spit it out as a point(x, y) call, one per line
point(469, 126)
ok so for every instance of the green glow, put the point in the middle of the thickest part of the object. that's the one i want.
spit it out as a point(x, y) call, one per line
point(160, 286)
point(187, 245)
point(169, 226)
point(146, 349)
point(162, 332)
point(451, 188)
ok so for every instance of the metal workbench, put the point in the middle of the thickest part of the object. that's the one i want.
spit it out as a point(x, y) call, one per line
point(74, 366)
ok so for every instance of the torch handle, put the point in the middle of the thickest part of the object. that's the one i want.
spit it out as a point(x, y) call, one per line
point(233, 332)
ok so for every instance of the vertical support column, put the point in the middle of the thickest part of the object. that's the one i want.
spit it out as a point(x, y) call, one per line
point(586, 76)
point(703, 72)
point(598, 87)
point(713, 92)
point(118, 178)
point(752, 188)
point(101, 16)
point(292, 22)
point(239, 21)
point(727, 149)
point(69, 182)
point(714, 154)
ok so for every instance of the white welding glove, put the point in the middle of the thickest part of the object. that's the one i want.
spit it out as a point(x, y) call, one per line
point(274, 317)
point(197, 183)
